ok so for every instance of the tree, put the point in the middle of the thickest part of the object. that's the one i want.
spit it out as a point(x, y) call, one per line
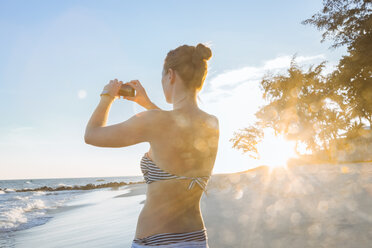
point(247, 140)
point(343, 20)
point(320, 110)
point(349, 22)
point(301, 109)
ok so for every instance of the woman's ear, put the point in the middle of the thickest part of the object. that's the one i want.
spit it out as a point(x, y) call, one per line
point(172, 75)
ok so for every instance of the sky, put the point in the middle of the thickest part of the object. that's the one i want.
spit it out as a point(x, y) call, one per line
point(56, 57)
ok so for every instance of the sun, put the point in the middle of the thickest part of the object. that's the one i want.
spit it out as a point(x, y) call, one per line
point(275, 150)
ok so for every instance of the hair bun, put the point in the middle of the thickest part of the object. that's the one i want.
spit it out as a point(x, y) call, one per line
point(201, 53)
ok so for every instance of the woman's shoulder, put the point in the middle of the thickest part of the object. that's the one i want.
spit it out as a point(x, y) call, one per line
point(152, 116)
point(211, 121)
point(183, 119)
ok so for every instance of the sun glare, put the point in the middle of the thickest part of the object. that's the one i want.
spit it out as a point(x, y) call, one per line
point(275, 150)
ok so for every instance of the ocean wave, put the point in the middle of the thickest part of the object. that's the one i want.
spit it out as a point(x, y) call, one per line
point(8, 190)
point(25, 211)
point(62, 184)
point(65, 187)
point(35, 204)
point(14, 216)
point(39, 193)
point(22, 198)
point(24, 207)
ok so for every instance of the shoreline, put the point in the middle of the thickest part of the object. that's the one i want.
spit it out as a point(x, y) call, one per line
point(94, 219)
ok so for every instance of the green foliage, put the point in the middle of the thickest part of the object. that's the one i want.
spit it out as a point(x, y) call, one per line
point(317, 110)
point(301, 106)
point(343, 20)
point(247, 140)
point(354, 76)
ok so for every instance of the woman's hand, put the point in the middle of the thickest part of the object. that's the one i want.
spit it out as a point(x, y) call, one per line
point(141, 97)
point(113, 88)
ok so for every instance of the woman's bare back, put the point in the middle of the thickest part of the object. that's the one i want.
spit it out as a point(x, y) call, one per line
point(185, 144)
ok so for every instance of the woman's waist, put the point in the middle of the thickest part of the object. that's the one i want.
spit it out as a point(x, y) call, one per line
point(172, 219)
point(171, 208)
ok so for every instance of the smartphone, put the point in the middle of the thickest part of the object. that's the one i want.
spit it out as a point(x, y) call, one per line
point(126, 90)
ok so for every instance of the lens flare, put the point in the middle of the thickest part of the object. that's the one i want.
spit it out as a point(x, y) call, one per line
point(275, 150)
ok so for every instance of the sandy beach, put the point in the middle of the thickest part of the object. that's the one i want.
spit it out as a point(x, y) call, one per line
point(309, 206)
point(304, 206)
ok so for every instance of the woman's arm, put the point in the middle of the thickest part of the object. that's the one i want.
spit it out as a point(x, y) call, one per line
point(99, 116)
point(139, 128)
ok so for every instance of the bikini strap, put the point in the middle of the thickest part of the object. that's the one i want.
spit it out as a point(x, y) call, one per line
point(198, 180)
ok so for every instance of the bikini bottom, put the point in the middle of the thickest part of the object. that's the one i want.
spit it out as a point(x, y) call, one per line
point(195, 239)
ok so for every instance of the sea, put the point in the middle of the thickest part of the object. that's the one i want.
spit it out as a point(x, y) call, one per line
point(39, 202)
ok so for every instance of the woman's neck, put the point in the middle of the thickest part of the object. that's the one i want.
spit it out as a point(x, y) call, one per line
point(187, 101)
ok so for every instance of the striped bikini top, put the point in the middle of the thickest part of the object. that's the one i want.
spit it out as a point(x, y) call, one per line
point(153, 173)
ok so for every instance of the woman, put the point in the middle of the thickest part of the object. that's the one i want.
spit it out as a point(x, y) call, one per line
point(183, 148)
